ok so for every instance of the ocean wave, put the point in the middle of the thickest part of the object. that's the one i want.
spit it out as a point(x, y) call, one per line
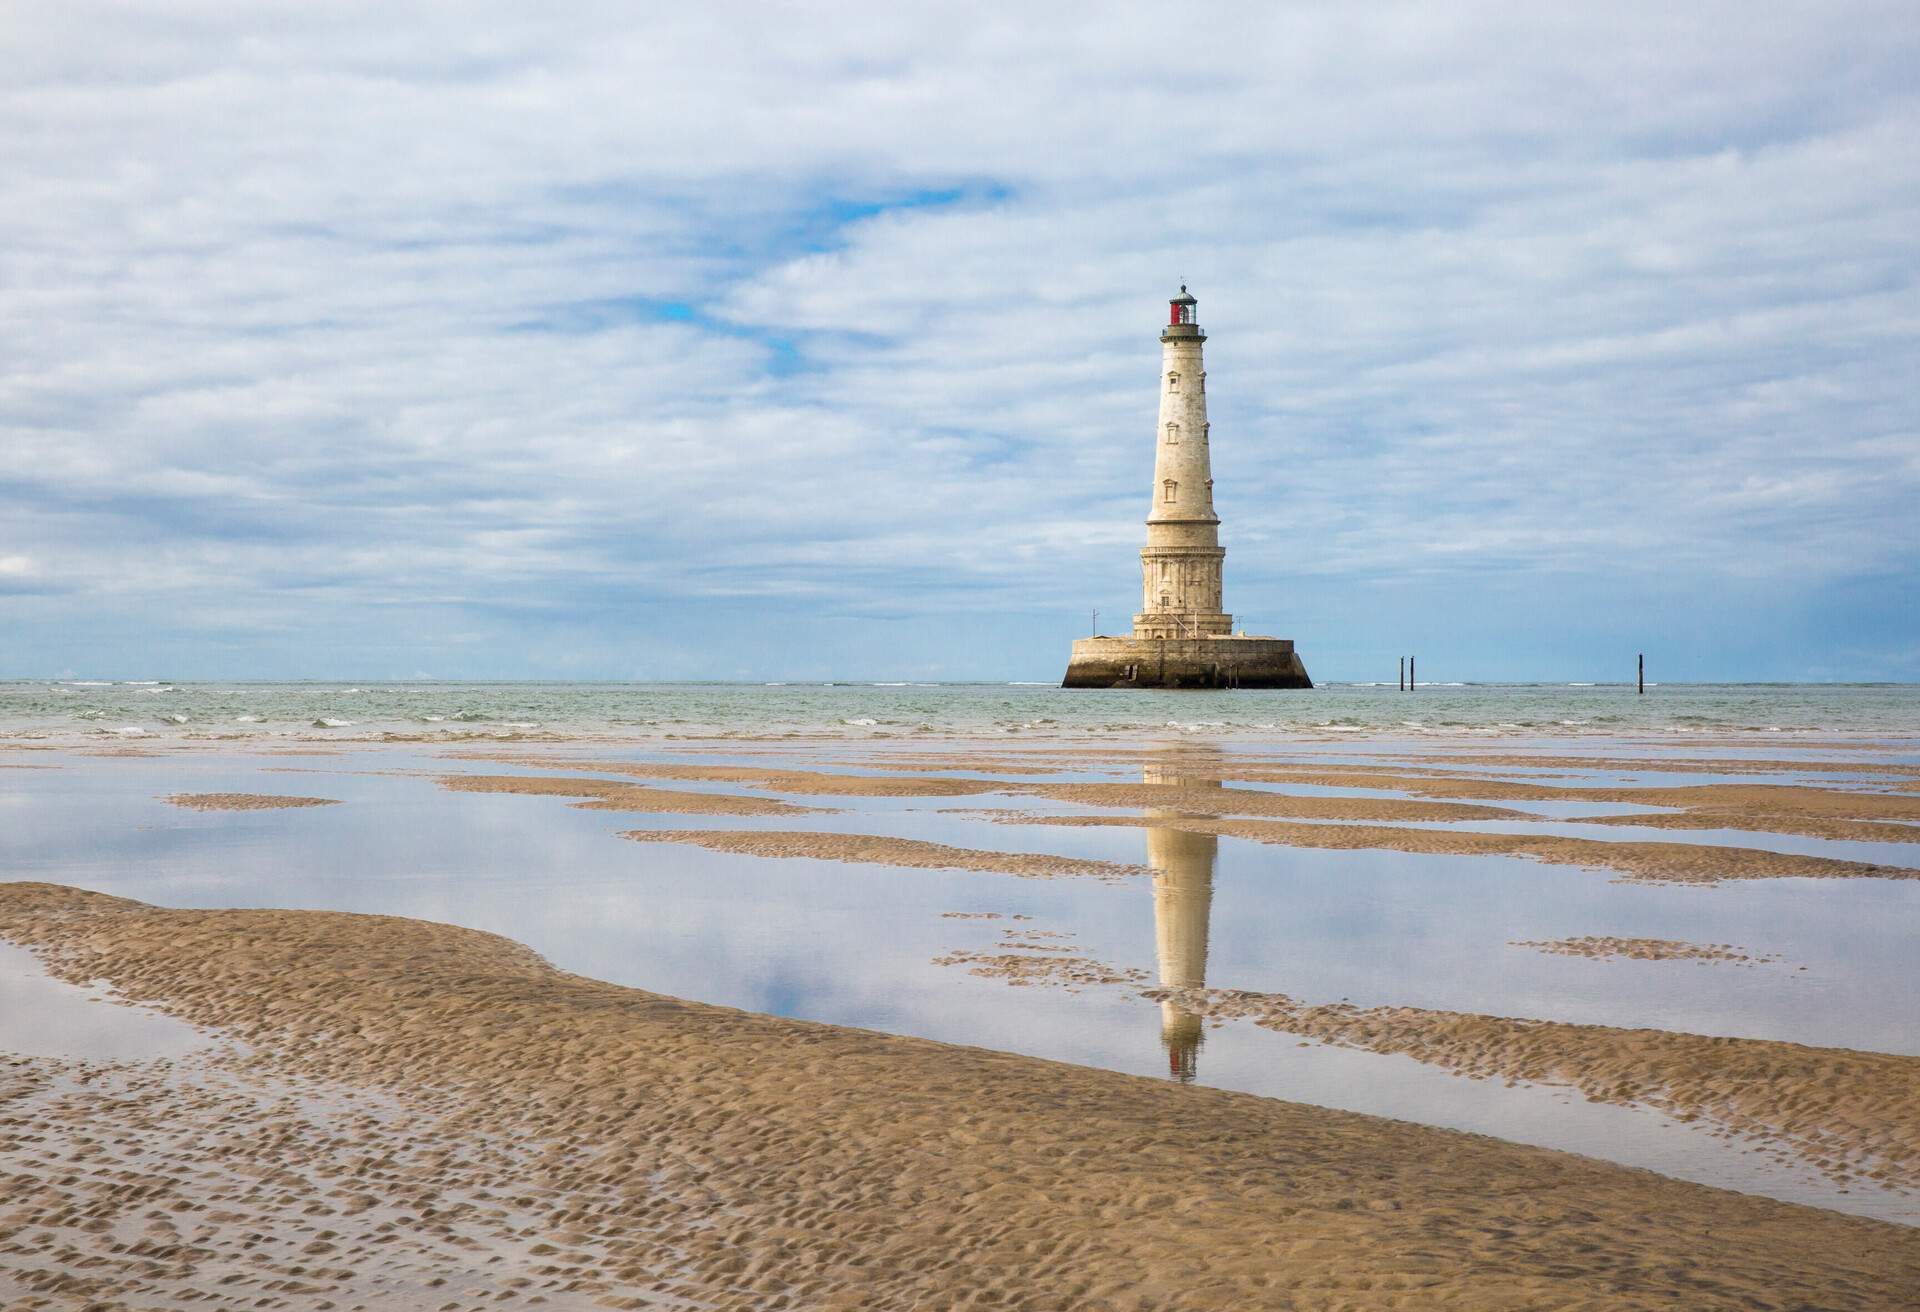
point(86, 707)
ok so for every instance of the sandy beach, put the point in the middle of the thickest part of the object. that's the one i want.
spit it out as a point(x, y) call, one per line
point(606, 1144)
point(391, 1112)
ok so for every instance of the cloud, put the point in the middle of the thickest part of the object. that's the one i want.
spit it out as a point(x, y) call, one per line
point(662, 330)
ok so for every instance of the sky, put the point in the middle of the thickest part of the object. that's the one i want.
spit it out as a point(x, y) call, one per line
point(757, 341)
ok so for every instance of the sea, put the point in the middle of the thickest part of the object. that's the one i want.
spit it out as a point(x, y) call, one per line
point(66, 710)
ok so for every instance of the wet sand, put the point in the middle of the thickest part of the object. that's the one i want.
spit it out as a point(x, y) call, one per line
point(1602, 948)
point(1666, 764)
point(1191, 800)
point(617, 795)
point(1853, 1115)
point(1676, 863)
point(555, 1138)
point(1025, 958)
point(245, 801)
point(1859, 811)
point(433, 1118)
point(803, 782)
point(1806, 826)
point(913, 853)
point(1820, 812)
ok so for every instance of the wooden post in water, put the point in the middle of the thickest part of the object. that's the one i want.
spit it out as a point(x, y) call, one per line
point(1411, 677)
point(1643, 674)
point(1403, 674)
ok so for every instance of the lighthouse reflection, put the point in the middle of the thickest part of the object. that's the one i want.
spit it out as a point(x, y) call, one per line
point(1182, 864)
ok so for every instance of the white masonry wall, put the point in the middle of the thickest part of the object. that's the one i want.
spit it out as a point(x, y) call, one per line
point(1181, 567)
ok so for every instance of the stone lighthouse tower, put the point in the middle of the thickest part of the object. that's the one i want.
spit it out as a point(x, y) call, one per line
point(1182, 636)
point(1182, 560)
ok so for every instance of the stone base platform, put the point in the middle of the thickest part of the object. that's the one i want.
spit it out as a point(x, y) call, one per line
point(1226, 662)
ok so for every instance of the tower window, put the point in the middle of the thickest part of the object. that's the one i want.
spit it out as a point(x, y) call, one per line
point(1169, 490)
point(1206, 431)
point(1173, 382)
point(1203, 380)
point(1173, 435)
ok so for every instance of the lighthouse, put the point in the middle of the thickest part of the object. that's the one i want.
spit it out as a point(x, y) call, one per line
point(1182, 636)
point(1180, 565)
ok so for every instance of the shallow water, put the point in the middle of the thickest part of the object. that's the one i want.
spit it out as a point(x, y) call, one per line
point(855, 943)
point(41, 1016)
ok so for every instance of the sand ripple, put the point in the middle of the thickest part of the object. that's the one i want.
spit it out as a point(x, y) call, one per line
point(644, 1148)
point(1852, 1115)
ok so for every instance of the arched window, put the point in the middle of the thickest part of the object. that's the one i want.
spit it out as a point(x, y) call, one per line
point(1173, 435)
point(1203, 381)
point(1173, 382)
point(1169, 490)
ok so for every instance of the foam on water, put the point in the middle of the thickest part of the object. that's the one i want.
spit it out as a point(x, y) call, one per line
point(34, 709)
